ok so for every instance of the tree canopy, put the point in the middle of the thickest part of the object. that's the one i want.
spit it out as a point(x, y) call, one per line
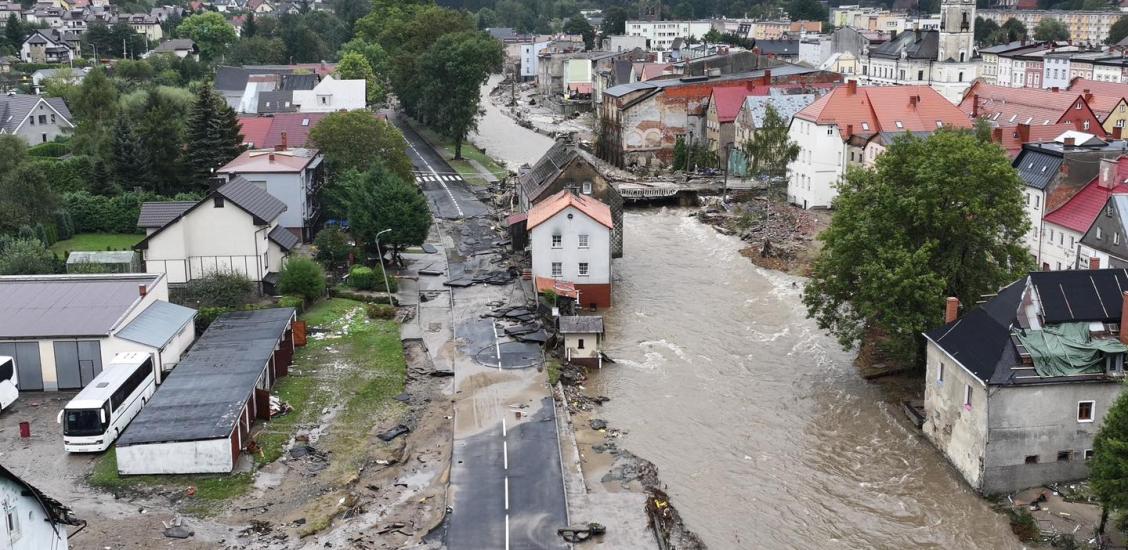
point(455, 69)
point(210, 31)
point(354, 66)
point(356, 139)
point(1108, 470)
point(1119, 30)
point(378, 199)
point(578, 24)
point(937, 217)
point(1051, 30)
point(770, 148)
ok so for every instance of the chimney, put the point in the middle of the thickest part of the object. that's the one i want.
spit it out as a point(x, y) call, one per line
point(974, 105)
point(1109, 173)
point(1094, 263)
point(1055, 89)
point(1070, 142)
point(1117, 132)
point(852, 87)
point(951, 309)
point(849, 130)
point(997, 135)
point(215, 183)
point(142, 290)
point(914, 101)
point(767, 77)
point(271, 157)
point(1088, 96)
point(285, 145)
point(1024, 132)
point(1123, 314)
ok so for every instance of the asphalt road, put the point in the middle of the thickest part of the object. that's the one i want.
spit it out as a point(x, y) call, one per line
point(450, 195)
point(506, 486)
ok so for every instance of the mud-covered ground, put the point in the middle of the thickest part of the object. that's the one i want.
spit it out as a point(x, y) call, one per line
point(779, 236)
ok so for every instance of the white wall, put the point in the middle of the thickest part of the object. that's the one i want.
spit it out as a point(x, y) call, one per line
point(572, 346)
point(815, 172)
point(597, 255)
point(332, 95)
point(206, 240)
point(34, 531)
point(1059, 246)
point(1035, 207)
point(183, 457)
point(32, 131)
point(959, 431)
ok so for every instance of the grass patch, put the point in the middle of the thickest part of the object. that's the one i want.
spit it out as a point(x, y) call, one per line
point(97, 242)
point(210, 488)
point(469, 151)
point(552, 367)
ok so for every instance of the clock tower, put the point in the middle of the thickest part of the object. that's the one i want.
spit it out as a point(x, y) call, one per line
point(957, 30)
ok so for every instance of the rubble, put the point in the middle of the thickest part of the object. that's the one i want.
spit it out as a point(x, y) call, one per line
point(393, 433)
point(780, 236)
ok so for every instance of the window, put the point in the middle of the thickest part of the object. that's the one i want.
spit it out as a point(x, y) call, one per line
point(1115, 238)
point(580, 344)
point(557, 240)
point(557, 270)
point(1032, 459)
point(1071, 241)
point(43, 119)
point(865, 126)
point(1088, 454)
point(31, 121)
point(1051, 234)
point(1085, 411)
point(52, 119)
point(939, 123)
point(587, 188)
point(1064, 456)
point(583, 269)
point(1078, 107)
point(830, 131)
point(42, 138)
point(920, 75)
point(1037, 199)
point(1099, 233)
point(583, 238)
point(218, 202)
point(12, 518)
point(940, 373)
point(899, 124)
point(1085, 125)
point(967, 397)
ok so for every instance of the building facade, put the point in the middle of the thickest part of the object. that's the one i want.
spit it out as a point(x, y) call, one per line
point(570, 239)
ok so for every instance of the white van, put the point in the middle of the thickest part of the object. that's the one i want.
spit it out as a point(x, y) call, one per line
point(9, 382)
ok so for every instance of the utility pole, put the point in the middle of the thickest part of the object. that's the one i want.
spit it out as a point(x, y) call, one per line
point(724, 188)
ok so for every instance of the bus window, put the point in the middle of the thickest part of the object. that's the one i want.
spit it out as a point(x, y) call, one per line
point(83, 422)
point(7, 370)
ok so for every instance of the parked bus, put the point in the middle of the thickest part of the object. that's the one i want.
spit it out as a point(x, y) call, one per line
point(9, 382)
point(101, 411)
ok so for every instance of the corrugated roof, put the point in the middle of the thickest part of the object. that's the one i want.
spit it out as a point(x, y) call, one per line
point(1037, 168)
point(913, 44)
point(67, 305)
point(549, 207)
point(785, 105)
point(158, 324)
point(786, 69)
point(269, 161)
point(284, 238)
point(204, 396)
point(157, 214)
point(581, 324)
point(1079, 211)
point(252, 198)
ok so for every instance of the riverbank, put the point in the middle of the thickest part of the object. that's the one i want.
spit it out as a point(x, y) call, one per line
point(529, 109)
point(778, 236)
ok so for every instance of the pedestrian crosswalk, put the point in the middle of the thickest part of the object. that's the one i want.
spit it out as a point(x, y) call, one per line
point(436, 178)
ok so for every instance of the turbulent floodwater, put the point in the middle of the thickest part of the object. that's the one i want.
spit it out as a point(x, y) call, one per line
point(759, 425)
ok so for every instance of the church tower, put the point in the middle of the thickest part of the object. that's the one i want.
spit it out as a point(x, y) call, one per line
point(957, 30)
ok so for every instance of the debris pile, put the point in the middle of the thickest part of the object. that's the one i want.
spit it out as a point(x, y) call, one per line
point(781, 236)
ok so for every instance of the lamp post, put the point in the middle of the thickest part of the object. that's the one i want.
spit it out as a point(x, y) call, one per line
point(384, 272)
point(728, 157)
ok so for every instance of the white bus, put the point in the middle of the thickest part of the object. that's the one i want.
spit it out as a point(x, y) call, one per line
point(101, 411)
point(9, 382)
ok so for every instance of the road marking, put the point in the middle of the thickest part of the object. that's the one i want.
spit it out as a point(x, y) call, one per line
point(503, 426)
point(506, 531)
point(497, 345)
point(505, 455)
point(507, 494)
point(436, 174)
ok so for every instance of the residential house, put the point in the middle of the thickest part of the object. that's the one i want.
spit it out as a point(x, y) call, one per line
point(234, 229)
point(567, 167)
point(268, 132)
point(331, 95)
point(782, 50)
point(751, 117)
point(720, 117)
point(832, 132)
point(624, 43)
point(875, 145)
point(570, 238)
point(1053, 172)
point(62, 328)
point(530, 55)
point(46, 46)
point(292, 175)
point(583, 336)
point(145, 25)
point(240, 85)
point(1063, 227)
point(36, 119)
point(32, 520)
point(1012, 138)
point(1004, 106)
point(180, 47)
point(645, 120)
point(8, 9)
point(6, 62)
point(1105, 244)
point(1108, 100)
point(72, 76)
point(1003, 402)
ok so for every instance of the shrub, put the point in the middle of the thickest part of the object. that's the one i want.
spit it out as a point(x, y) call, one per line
point(380, 311)
point(332, 247)
point(362, 278)
point(296, 302)
point(217, 290)
point(49, 149)
point(302, 277)
point(23, 256)
point(100, 214)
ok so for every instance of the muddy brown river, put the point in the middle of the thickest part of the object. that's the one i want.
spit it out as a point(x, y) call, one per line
point(758, 423)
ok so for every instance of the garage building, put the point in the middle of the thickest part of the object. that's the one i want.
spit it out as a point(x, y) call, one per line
point(61, 329)
point(200, 418)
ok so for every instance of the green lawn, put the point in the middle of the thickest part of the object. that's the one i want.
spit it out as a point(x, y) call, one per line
point(91, 242)
point(358, 365)
point(463, 167)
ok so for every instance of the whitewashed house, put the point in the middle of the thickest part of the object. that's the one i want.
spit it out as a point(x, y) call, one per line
point(332, 95)
point(293, 176)
point(34, 118)
point(235, 229)
point(570, 238)
point(583, 337)
point(61, 329)
point(31, 520)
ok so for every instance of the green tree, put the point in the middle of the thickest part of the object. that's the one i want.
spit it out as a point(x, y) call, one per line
point(302, 277)
point(811, 10)
point(13, 151)
point(771, 148)
point(95, 107)
point(1108, 470)
point(580, 25)
point(937, 217)
point(374, 53)
point(258, 50)
point(379, 199)
point(353, 66)
point(332, 247)
point(101, 181)
point(130, 168)
point(985, 30)
point(351, 10)
point(1051, 30)
point(1118, 31)
point(211, 32)
point(26, 198)
point(356, 139)
point(1012, 30)
point(14, 32)
point(25, 256)
point(249, 27)
point(454, 70)
point(160, 129)
point(614, 21)
point(712, 37)
point(212, 136)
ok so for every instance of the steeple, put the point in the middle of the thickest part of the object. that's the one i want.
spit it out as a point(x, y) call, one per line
point(957, 30)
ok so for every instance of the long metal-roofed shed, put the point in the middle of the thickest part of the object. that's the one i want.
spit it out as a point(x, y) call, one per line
point(200, 418)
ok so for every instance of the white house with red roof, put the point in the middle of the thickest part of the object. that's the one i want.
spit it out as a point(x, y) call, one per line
point(570, 239)
point(292, 175)
point(1064, 227)
point(832, 132)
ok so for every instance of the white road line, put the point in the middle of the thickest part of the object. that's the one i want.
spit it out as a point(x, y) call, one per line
point(505, 454)
point(503, 426)
point(506, 494)
point(506, 531)
point(436, 174)
point(497, 345)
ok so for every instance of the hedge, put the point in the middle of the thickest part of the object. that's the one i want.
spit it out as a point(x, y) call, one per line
point(118, 214)
point(50, 149)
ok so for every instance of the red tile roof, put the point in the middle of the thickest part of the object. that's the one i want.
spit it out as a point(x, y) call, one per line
point(551, 206)
point(870, 110)
point(1080, 211)
point(254, 130)
point(651, 70)
point(1106, 95)
point(1004, 106)
point(1012, 140)
point(728, 100)
point(270, 161)
point(561, 288)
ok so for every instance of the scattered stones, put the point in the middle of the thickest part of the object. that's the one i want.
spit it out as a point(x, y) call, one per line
point(598, 424)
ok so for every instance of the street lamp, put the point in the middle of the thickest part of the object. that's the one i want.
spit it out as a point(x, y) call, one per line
point(728, 156)
point(384, 272)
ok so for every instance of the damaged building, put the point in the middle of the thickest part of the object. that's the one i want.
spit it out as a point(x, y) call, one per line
point(1017, 388)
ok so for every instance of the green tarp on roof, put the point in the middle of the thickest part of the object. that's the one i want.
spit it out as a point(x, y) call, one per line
point(1067, 349)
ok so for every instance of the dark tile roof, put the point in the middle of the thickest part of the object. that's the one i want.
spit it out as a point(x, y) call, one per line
point(535, 180)
point(1037, 168)
point(235, 78)
point(175, 44)
point(14, 108)
point(778, 47)
point(581, 324)
point(278, 101)
point(1086, 295)
point(252, 198)
point(67, 305)
point(981, 339)
point(157, 214)
point(299, 81)
point(923, 45)
point(284, 238)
